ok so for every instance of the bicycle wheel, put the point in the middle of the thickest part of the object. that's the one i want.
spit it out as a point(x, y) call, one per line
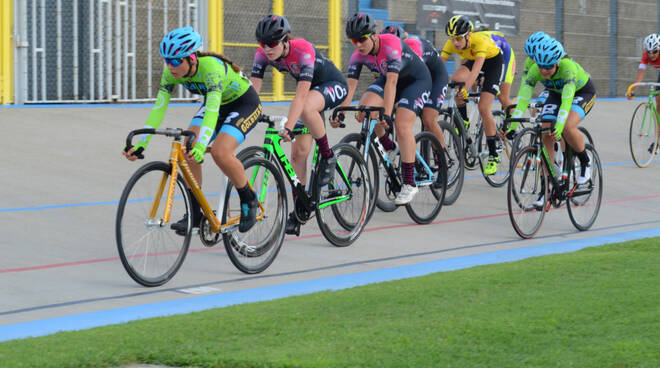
point(427, 203)
point(523, 138)
point(455, 163)
point(584, 203)
point(503, 149)
point(355, 139)
point(643, 137)
point(248, 152)
point(253, 251)
point(343, 204)
point(150, 251)
point(527, 184)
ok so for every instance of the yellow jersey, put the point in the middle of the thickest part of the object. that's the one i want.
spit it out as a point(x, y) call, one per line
point(481, 45)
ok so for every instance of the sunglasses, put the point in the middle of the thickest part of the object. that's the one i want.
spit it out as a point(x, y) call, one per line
point(270, 45)
point(174, 61)
point(546, 67)
point(653, 52)
point(458, 38)
point(355, 41)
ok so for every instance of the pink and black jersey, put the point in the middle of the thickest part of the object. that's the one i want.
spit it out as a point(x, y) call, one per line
point(645, 61)
point(303, 62)
point(394, 56)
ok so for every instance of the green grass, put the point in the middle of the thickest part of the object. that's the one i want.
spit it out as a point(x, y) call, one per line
point(599, 307)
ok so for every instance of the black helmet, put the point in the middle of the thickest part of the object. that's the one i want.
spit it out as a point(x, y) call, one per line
point(272, 28)
point(360, 24)
point(395, 30)
point(458, 25)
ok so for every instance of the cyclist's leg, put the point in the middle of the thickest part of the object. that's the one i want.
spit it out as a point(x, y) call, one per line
point(493, 76)
point(433, 104)
point(315, 103)
point(300, 149)
point(194, 126)
point(461, 75)
point(505, 87)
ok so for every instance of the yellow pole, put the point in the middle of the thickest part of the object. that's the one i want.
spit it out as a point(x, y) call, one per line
point(334, 31)
point(216, 25)
point(6, 52)
point(278, 78)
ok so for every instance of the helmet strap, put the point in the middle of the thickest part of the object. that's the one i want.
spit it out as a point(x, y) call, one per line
point(376, 45)
point(286, 48)
point(192, 59)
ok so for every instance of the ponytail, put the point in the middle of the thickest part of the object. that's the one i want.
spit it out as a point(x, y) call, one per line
point(225, 59)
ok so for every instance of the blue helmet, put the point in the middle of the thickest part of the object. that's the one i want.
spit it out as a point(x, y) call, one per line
point(533, 41)
point(180, 43)
point(548, 52)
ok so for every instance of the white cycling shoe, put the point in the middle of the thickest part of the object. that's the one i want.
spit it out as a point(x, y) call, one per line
point(583, 178)
point(406, 195)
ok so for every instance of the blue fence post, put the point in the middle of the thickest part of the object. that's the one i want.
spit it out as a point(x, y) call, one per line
point(559, 20)
point(614, 34)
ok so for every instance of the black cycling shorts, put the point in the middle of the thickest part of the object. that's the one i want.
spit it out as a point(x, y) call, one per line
point(411, 94)
point(583, 101)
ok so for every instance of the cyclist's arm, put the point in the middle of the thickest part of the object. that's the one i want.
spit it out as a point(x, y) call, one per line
point(296, 108)
point(524, 96)
point(158, 111)
point(256, 83)
point(390, 92)
point(474, 73)
point(214, 82)
point(352, 87)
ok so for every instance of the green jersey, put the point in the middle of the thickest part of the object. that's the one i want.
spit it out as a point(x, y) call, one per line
point(214, 79)
point(568, 79)
point(528, 64)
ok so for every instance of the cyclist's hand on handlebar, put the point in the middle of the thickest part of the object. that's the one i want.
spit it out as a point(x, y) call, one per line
point(336, 123)
point(197, 152)
point(286, 134)
point(632, 93)
point(134, 152)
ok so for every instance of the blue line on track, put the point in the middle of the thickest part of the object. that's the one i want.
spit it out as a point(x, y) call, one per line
point(205, 302)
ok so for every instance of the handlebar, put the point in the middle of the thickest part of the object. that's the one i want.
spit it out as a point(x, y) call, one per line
point(651, 84)
point(272, 119)
point(359, 108)
point(529, 120)
point(168, 132)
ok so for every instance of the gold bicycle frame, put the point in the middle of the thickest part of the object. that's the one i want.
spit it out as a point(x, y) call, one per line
point(178, 161)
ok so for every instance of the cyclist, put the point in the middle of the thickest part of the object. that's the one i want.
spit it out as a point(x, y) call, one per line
point(571, 96)
point(481, 53)
point(229, 111)
point(650, 56)
point(320, 86)
point(425, 50)
point(509, 67)
point(402, 78)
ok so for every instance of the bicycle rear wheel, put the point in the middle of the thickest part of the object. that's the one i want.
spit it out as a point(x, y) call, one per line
point(527, 184)
point(427, 203)
point(343, 204)
point(503, 149)
point(149, 249)
point(253, 251)
point(584, 203)
point(355, 139)
point(455, 158)
point(643, 136)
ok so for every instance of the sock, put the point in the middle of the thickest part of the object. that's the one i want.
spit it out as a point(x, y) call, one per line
point(408, 173)
point(324, 149)
point(386, 142)
point(492, 147)
point(246, 194)
point(584, 158)
point(463, 110)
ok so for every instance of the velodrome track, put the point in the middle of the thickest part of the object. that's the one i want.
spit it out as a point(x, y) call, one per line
point(62, 174)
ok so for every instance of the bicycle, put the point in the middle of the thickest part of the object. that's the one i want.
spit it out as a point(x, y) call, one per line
point(473, 137)
point(524, 137)
point(528, 185)
point(430, 162)
point(644, 135)
point(156, 195)
point(345, 199)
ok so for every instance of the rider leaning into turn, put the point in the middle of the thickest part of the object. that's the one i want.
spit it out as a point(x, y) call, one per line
point(571, 97)
point(320, 86)
point(481, 53)
point(403, 78)
point(229, 111)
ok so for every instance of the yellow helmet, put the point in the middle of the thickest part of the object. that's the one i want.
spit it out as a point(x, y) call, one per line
point(458, 25)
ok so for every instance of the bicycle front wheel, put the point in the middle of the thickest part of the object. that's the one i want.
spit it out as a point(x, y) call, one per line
point(343, 204)
point(429, 164)
point(523, 138)
point(527, 193)
point(149, 249)
point(503, 149)
point(643, 137)
point(253, 251)
point(584, 203)
point(455, 158)
point(355, 139)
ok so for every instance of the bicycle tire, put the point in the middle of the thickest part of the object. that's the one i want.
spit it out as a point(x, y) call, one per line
point(503, 151)
point(350, 216)
point(584, 197)
point(355, 139)
point(455, 158)
point(427, 203)
point(150, 250)
point(524, 138)
point(643, 135)
point(520, 199)
point(251, 252)
point(250, 151)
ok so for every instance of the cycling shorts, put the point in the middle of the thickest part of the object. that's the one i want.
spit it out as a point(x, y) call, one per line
point(493, 69)
point(509, 66)
point(439, 80)
point(236, 118)
point(411, 94)
point(583, 101)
